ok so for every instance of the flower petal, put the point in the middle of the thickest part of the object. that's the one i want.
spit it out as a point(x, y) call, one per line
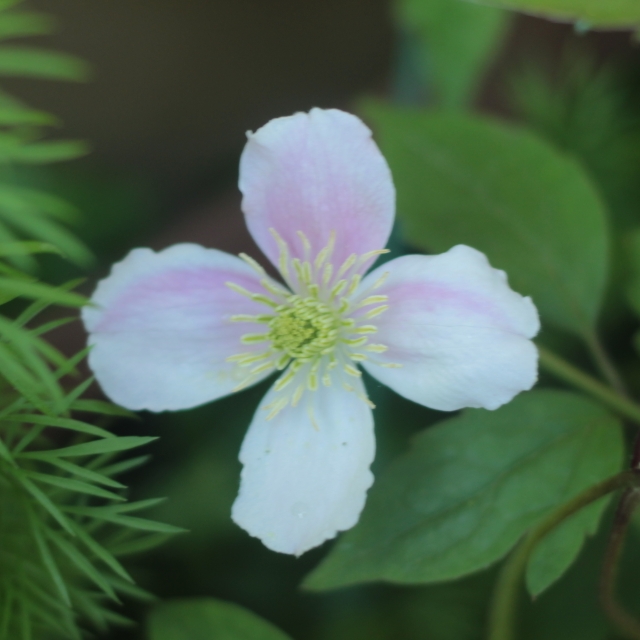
point(306, 471)
point(160, 329)
point(460, 333)
point(317, 172)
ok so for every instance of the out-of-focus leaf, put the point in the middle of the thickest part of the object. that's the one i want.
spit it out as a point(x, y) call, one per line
point(49, 151)
point(208, 619)
point(593, 13)
point(12, 116)
point(633, 265)
point(458, 40)
point(29, 62)
point(26, 247)
point(39, 291)
point(470, 180)
point(25, 23)
point(471, 486)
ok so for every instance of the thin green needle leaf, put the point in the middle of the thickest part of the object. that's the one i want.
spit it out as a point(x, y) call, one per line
point(93, 448)
point(105, 408)
point(28, 246)
point(139, 545)
point(48, 560)
point(39, 291)
point(61, 423)
point(50, 326)
point(77, 470)
point(123, 466)
point(106, 557)
point(74, 485)
point(82, 563)
point(44, 501)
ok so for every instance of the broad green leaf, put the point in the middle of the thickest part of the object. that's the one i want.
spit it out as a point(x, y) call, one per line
point(592, 13)
point(532, 210)
point(41, 63)
point(457, 42)
point(208, 619)
point(471, 486)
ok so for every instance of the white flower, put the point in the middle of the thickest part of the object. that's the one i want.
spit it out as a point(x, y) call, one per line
point(184, 326)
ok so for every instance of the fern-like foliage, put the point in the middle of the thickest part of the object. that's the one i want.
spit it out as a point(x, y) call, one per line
point(64, 516)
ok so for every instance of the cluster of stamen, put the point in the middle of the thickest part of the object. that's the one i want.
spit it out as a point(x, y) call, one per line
point(310, 331)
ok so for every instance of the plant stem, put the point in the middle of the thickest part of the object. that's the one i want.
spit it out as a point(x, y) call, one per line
point(605, 365)
point(502, 617)
point(562, 369)
point(626, 624)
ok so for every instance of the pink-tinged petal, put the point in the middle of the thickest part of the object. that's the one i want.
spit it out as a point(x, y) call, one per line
point(306, 471)
point(460, 333)
point(160, 329)
point(317, 172)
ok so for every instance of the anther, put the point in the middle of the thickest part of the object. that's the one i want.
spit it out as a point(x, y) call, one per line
point(352, 371)
point(376, 348)
point(347, 264)
point(252, 263)
point(251, 338)
point(371, 300)
point(375, 312)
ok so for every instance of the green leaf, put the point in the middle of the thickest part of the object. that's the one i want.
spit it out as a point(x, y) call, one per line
point(529, 208)
point(77, 470)
point(594, 13)
point(206, 619)
point(104, 408)
point(132, 522)
point(471, 486)
point(73, 485)
point(49, 151)
point(457, 42)
point(26, 248)
point(25, 23)
point(39, 291)
point(96, 447)
point(31, 62)
point(43, 500)
point(633, 266)
point(61, 423)
point(48, 560)
point(82, 563)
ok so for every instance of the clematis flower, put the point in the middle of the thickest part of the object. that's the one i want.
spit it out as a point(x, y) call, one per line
point(177, 328)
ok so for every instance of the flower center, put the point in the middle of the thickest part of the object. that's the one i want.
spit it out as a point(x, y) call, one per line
point(318, 328)
point(304, 328)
